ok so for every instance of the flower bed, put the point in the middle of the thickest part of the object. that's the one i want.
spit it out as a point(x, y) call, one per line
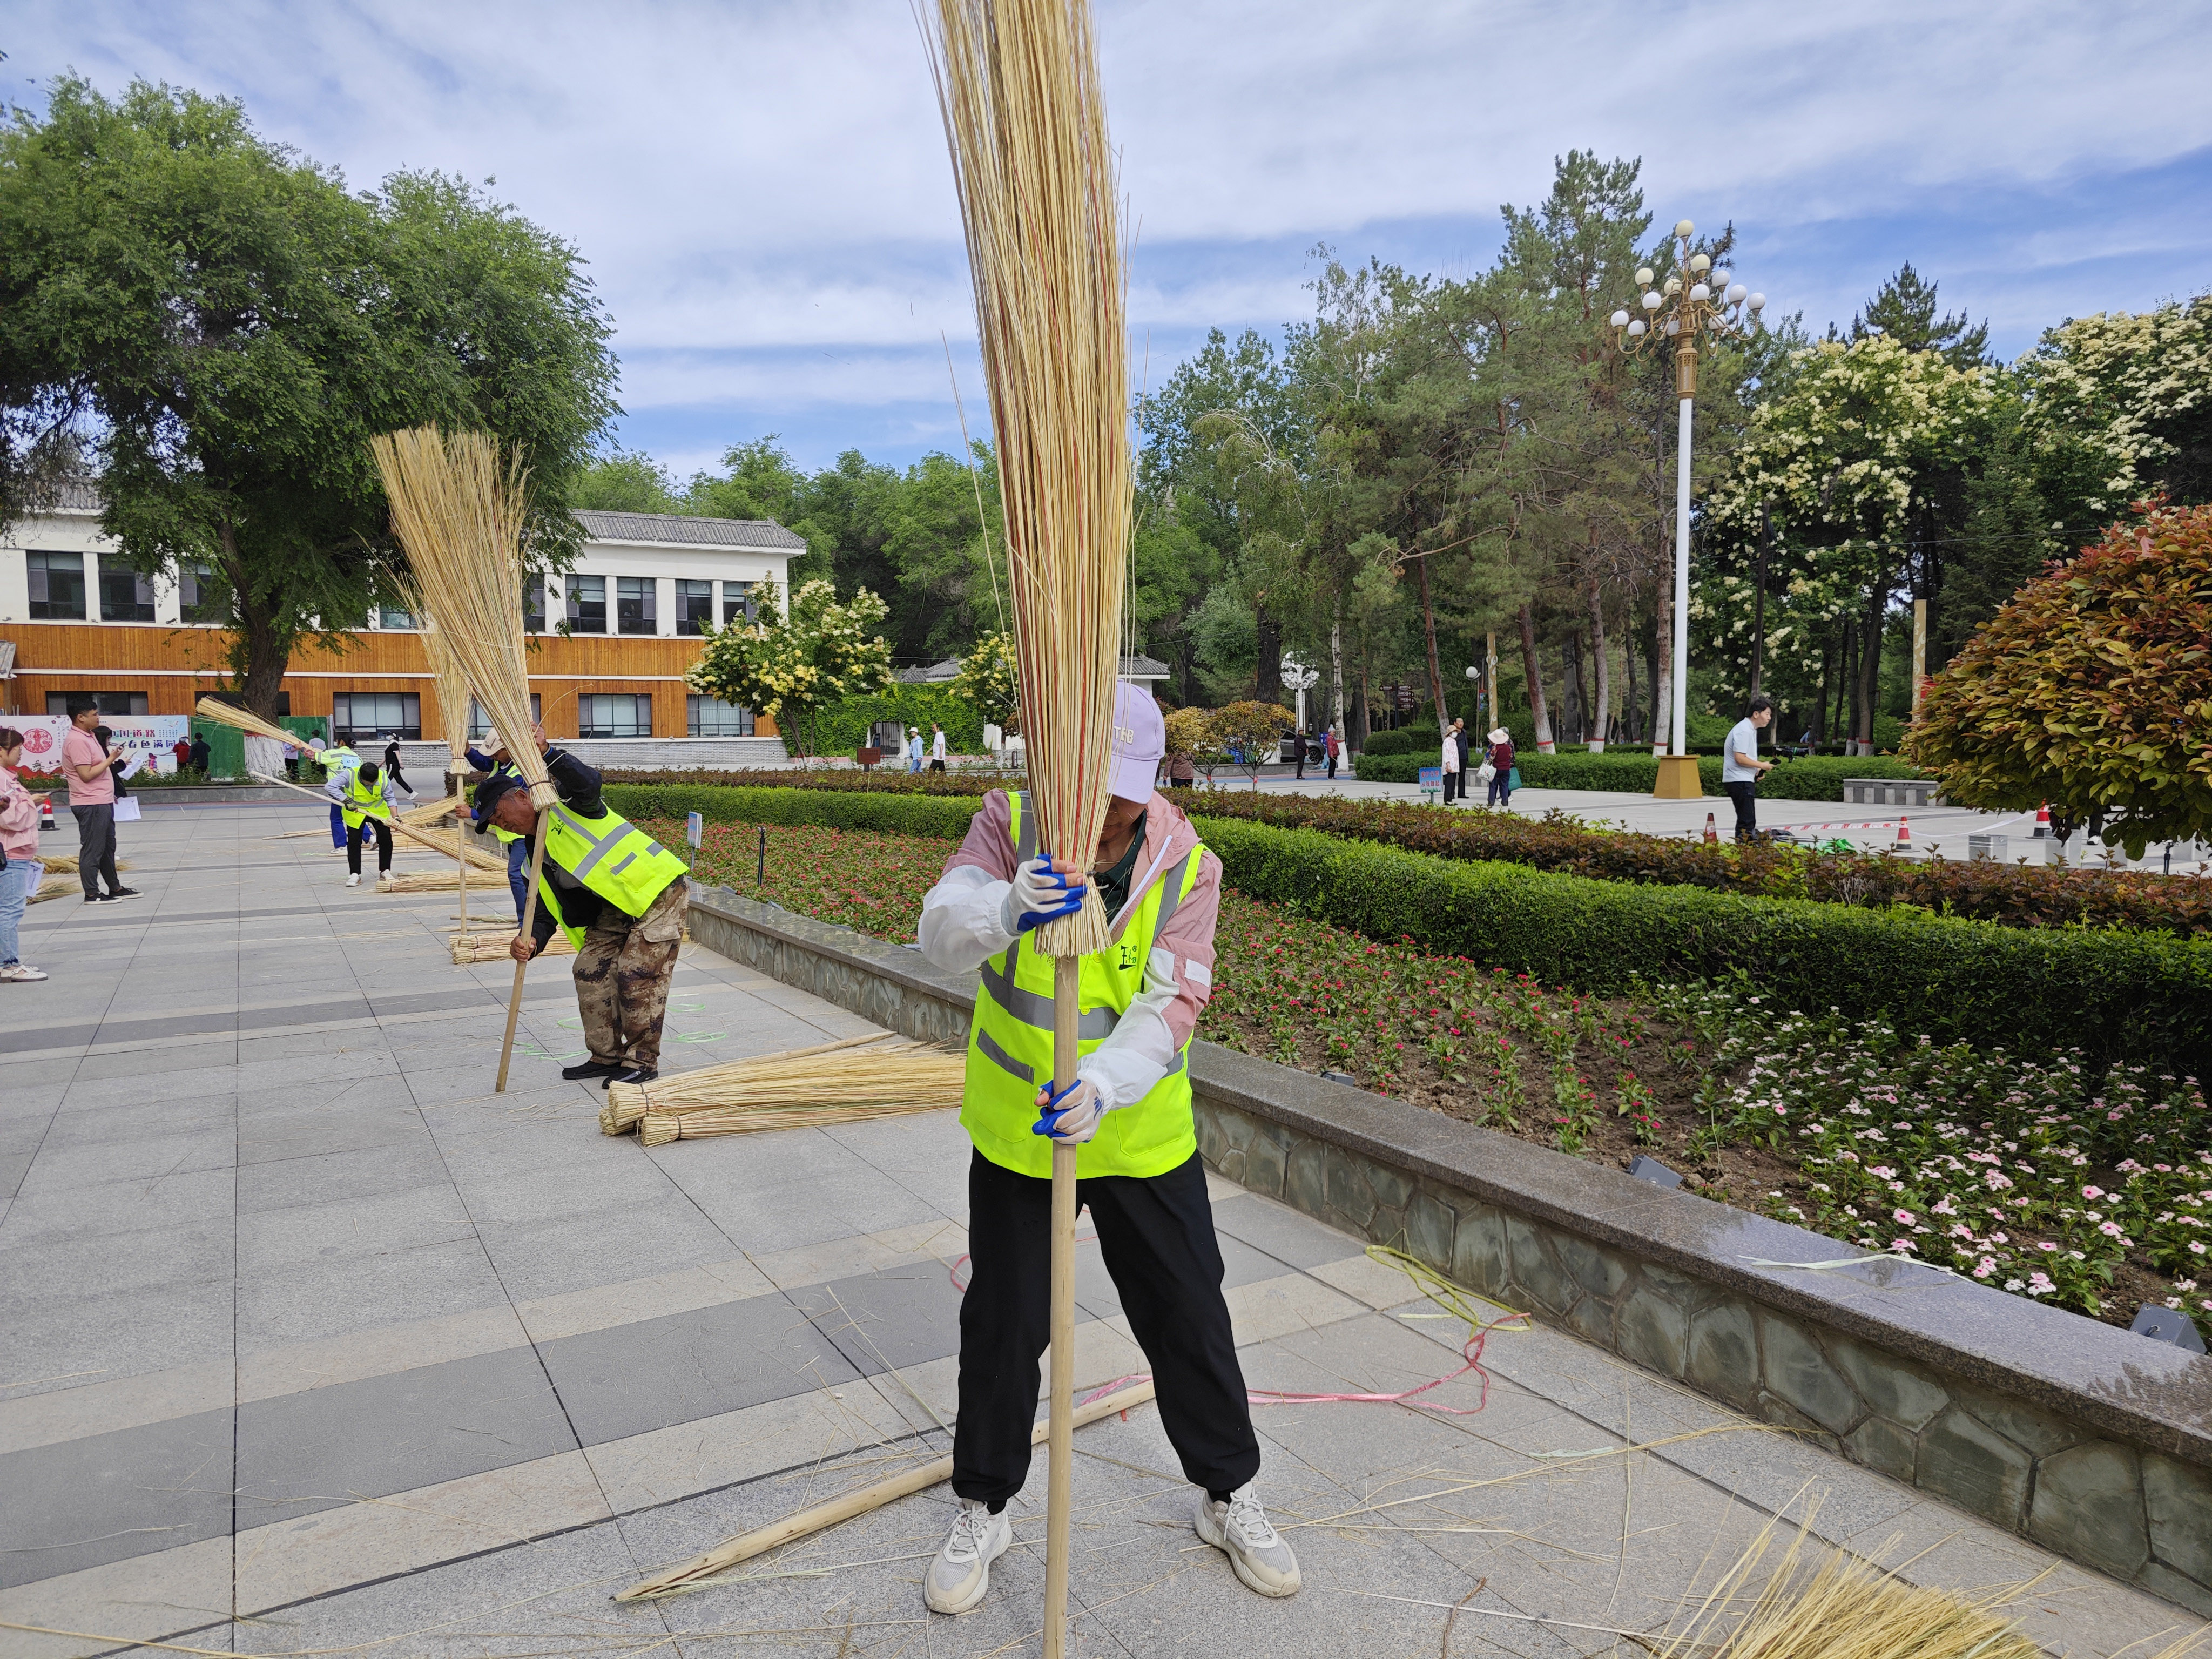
point(2015, 896)
point(2090, 1191)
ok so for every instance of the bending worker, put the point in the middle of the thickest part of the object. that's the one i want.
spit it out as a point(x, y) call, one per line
point(363, 795)
point(1129, 1112)
point(621, 898)
point(494, 760)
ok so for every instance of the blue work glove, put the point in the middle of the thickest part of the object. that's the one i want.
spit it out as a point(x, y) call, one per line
point(1070, 1116)
point(1039, 894)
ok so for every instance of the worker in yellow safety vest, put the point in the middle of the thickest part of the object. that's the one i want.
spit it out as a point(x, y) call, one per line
point(619, 896)
point(363, 795)
point(493, 760)
point(1128, 1112)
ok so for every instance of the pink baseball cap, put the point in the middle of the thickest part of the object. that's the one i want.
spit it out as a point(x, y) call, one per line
point(1140, 743)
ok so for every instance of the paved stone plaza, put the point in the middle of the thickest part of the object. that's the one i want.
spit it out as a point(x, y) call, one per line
point(311, 1342)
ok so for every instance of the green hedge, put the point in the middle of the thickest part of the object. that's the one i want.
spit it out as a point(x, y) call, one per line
point(1819, 778)
point(893, 813)
point(2118, 995)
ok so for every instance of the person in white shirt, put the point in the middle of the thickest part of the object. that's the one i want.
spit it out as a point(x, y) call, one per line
point(936, 747)
point(1741, 767)
point(1451, 760)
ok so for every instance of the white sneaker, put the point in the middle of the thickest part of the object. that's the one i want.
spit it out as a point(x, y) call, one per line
point(21, 973)
point(352, 881)
point(962, 1571)
point(1240, 1529)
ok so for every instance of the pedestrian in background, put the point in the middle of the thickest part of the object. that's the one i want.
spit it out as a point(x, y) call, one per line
point(199, 754)
point(86, 763)
point(1328, 749)
point(183, 751)
point(20, 868)
point(936, 747)
point(392, 767)
point(1450, 765)
point(1500, 756)
point(1460, 740)
point(490, 761)
point(1741, 767)
point(913, 748)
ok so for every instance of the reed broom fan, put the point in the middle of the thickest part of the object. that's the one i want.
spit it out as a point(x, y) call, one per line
point(459, 511)
point(451, 682)
point(1025, 121)
point(398, 824)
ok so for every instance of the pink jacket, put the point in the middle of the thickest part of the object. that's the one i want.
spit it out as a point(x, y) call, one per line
point(19, 817)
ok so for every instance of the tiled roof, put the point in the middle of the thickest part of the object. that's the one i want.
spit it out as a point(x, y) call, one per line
point(677, 530)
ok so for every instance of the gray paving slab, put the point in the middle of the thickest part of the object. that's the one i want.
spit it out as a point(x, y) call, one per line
point(904, 1316)
point(578, 1249)
point(333, 1295)
point(301, 1453)
point(109, 1497)
point(1284, 1233)
point(682, 1367)
point(376, 1224)
point(384, 1165)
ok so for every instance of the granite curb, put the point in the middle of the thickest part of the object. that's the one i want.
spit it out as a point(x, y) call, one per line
point(2093, 1441)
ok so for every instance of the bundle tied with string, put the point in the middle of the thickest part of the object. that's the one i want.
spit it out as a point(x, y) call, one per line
point(1025, 119)
point(458, 511)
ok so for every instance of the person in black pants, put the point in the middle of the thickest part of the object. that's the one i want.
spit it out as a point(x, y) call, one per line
point(392, 768)
point(1741, 767)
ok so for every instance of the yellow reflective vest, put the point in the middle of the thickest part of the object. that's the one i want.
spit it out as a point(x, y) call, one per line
point(609, 854)
point(363, 801)
point(1010, 1042)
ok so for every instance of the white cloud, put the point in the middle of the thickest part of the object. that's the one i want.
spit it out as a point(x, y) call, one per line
point(757, 185)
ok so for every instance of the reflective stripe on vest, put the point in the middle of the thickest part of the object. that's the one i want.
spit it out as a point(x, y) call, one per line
point(361, 803)
point(1011, 1042)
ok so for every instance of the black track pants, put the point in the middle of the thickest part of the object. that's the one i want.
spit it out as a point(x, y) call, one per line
point(1156, 1235)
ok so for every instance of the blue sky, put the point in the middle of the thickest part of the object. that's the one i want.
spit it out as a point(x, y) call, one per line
point(762, 190)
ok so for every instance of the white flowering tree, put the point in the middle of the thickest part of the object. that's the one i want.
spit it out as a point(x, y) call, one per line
point(792, 666)
point(987, 680)
point(1846, 459)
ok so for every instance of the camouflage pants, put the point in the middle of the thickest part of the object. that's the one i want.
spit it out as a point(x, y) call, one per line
point(622, 970)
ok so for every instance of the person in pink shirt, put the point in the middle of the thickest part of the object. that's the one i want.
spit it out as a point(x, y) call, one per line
point(85, 763)
point(19, 842)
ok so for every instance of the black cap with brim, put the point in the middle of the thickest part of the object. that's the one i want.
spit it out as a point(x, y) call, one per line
point(489, 791)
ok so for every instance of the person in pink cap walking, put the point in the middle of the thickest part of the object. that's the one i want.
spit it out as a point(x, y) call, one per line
point(1128, 1112)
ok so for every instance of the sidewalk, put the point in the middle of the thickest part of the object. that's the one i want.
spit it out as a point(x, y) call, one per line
point(310, 1341)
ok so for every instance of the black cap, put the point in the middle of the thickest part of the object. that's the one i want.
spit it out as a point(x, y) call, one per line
point(489, 791)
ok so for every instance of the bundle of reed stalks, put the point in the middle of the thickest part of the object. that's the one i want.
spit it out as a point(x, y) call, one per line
point(876, 1076)
point(460, 512)
point(244, 720)
point(1025, 119)
point(446, 674)
point(470, 947)
point(1845, 1608)
point(60, 876)
point(424, 881)
point(421, 817)
point(449, 842)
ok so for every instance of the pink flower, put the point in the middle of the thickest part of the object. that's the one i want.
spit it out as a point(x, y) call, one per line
point(2093, 1192)
point(1903, 1218)
point(2111, 1230)
point(1902, 1244)
point(1985, 1267)
point(2046, 1245)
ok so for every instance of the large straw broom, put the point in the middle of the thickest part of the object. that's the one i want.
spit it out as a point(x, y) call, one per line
point(451, 682)
point(245, 721)
point(492, 946)
point(838, 1083)
point(1025, 119)
point(459, 512)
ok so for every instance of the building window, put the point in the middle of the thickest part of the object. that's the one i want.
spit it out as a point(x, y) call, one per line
point(620, 716)
point(109, 702)
point(124, 595)
point(635, 605)
point(737, 602)
point(392, 615)
point(587, 605)
point(365, 716)
point(710, 717)
point(480, 722)
point(196, 595)
point(56, 587)
point(533, 604)
point(695, 606)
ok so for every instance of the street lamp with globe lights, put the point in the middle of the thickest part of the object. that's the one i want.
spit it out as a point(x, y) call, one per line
point(1716, 306)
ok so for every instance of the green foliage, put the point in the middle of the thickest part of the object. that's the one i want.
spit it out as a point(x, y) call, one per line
point(794, 667)
point(2119, 406)
point(1402, 742)
point(988, 683)
point(2121, 995)
point(843, 727)
point(1250, 734)
point(624, 481)
point(969, 781)
point(1819, 777)
point(894, 811)
point(234, 325)
point(2091, 690)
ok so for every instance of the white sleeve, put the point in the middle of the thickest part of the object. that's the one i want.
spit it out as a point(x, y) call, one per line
point(1138, 1050)
point(963, 919)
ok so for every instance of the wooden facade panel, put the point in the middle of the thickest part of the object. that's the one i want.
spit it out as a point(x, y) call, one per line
point(175, 666)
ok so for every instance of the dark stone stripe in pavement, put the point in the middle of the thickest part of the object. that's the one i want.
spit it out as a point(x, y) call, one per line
point(109, 1497)
point(153, 1027)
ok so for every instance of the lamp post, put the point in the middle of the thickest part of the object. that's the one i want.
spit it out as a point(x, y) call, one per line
point(1712, 305)
point(1301, 679)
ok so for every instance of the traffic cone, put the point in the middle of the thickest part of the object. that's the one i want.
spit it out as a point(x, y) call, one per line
point(1904, 833)
point(46, 815)
point(2043, 822)
point(1712, 834)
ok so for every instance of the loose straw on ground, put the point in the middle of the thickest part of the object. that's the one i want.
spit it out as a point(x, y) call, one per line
point(694, 1574)
point(459, 512)
point(1025, 120)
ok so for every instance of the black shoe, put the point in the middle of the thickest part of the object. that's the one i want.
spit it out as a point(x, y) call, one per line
point(635, 1075)
point(99, 898)
point(124, 893)
point(591, 1068)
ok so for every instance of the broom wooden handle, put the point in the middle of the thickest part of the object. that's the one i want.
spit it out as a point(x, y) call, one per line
point(1060, 1456)
point(529, 926)
point(397, 827)
point(886, 1491)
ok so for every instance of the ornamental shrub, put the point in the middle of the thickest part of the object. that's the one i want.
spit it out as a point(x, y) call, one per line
point(2090, 689)
point(896, 811)
point(2117, 995)
point(1819, 777)
point(959, 781)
